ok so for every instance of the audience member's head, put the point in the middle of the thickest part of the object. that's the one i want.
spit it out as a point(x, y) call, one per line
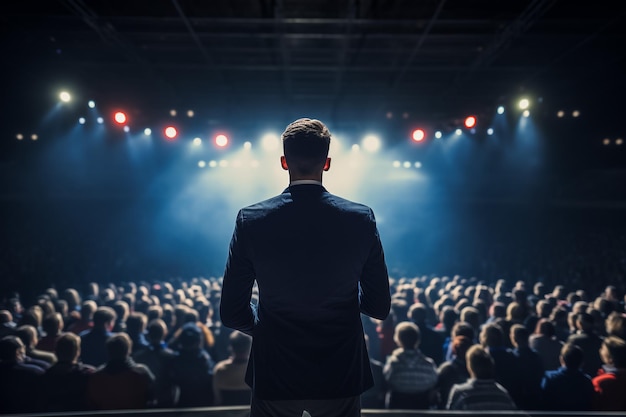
point(480, 364)
point(616, 325)
point(418, 313)
point(190, 337)
point(240, 344)
point(545, 327)
point(12, 349)
point(67, 348)
point(119, 347)
point(136, 323)
point(156, 331)
point(491, 335)
point(104, 318)
point(52, 324)
point(28, 334)
point(519, 336)
point(460, 345)
point(407, 335)
point(572, 356)
point(613, 352)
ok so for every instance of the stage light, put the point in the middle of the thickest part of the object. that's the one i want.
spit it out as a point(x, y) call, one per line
point(560, 114)
point(406, 164)
point(490, 131)
point(201, 164)
point(619, 141)
point(223, 163)
point(606, 141)
point(418, 135)
point(212, 164)
point(396, 164)
point(34, 136)
point(81, 120)
point(356, 148)
point(247, 145)
point(389, 115)
point(65, 97)
point(190, 113)
point(19, 136)
point(470, 121)
point(417, 164)
point(270, 141)
point(526, 113)
point(126, 129)
point(197, 141)
point(147, 131)
point(458, 132)
point(523, 104)
point(500, 109)
point(173, 112)
point(100, 120)
point(170, 132)
point(575, 113)
point(120, 117)
point(221, 140)
point(438, 134)
point(371, 143)
point(91, 104)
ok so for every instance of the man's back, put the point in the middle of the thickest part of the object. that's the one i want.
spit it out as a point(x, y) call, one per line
point(309, 251)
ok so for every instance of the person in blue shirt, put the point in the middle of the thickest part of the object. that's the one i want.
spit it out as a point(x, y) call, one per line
point(568, 388)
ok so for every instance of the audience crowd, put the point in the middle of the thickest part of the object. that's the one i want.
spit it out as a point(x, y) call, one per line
point(449, 343)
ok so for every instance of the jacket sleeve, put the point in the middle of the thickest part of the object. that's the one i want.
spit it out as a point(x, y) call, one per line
point(374, 295)
point(235, 308)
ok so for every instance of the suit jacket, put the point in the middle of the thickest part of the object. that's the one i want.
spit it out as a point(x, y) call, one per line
point(319, 263)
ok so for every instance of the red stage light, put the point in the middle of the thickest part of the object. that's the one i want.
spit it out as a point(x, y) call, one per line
point(171, 132)
point(470, 121)
point(418, 135)
point(120, 117)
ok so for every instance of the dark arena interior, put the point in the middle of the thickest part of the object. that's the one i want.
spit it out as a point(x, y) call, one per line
point(133, 131)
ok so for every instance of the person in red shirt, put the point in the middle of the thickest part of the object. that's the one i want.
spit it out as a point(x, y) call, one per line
point(610, 384)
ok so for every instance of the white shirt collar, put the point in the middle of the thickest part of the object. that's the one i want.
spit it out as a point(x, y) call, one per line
point(300, 182)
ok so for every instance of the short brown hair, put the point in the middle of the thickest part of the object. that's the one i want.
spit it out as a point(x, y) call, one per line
point(306, 143)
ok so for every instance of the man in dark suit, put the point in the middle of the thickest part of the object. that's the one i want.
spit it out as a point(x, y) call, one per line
point(318, 262)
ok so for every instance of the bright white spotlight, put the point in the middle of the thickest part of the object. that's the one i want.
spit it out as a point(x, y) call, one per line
point(560, 114)
point(356, 148)
point(201, 164)
point(19, 136)
point(490, 131)
point(371, 143)
point(406, 164)
point(190, 113)
point(396, 164)
point(120, 117)
point(458, 132)
point(81, 120)
point(619, 141)
point(147, 131)
point(126, 129)
point(438, 134)
point(470, 121)
point(223, 163)
point(35, 137)
point(526, 113)
point(418, 135)
point(65, 97)
point(91, 104)
point(100, 120)
point(500, 109)
point(247, 145)
point(173, 112)
point(606, 141)
point(270, 141)
point(221, 140)
point(212, 164)
point(523, 104)
point(575, 113)
point(197, 141)
point(418, 164)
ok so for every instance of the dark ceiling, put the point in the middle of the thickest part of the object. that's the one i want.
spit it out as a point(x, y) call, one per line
point(347, 61)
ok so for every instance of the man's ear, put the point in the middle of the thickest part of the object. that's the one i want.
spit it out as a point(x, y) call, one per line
point(327, 164)
point(283, 163)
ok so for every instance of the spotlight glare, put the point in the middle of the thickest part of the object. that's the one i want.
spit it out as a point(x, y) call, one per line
point(526, 113)
point(438, 134)
point(417, 164)
point(396, 164)
point(126, 129)
point(65, 97)
point(606, 141)
point(575, 113)
point(173, 112)
point(221, 140)
point(190, 113)
point(500, 109)
point(223, 163)
point(523, 104)
point(490, 131)
point(418, 135)
point(212, 164)
point(619, 141)
point(100, 120)
point(270, 141)
point(247, 145)
point(147, 131)
point(406, 164)
point(81, 120)
point(560, 114)
point(19, 136)
point(91, 104)
point(201, 164)
point(371, 143)
point(197, 141)
point(170, 132)
point(356, 148)
point(458, 132)
point(35, 137)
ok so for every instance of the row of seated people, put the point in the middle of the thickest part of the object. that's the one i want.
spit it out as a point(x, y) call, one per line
point(451, 316)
